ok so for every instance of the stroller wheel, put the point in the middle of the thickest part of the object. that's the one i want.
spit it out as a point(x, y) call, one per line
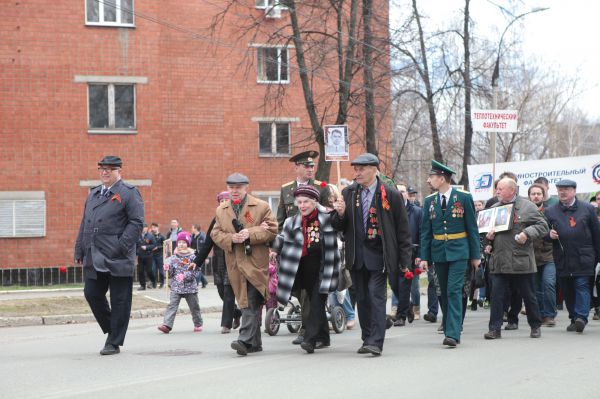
point(294, 318)
point(272, 321)
point(338, 319)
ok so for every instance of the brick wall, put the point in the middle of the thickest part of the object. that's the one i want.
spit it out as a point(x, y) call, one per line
point(193, 116)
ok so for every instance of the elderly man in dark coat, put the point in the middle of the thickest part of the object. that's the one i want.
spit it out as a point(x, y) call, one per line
point(373, 218)
point(106, 245)
point(575, 235)
point(512, 261)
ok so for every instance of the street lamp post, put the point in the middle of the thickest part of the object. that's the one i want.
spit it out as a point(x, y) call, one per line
point(496, 75)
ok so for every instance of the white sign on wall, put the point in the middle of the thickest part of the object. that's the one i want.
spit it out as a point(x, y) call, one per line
point(583, 170)
point(494, 120)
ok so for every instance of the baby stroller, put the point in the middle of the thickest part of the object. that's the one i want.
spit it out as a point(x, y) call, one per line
point(292, 318)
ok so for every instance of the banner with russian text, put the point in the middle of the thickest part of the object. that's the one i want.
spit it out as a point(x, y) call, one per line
point(583, 170)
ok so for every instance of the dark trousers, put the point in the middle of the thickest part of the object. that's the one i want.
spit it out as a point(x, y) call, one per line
point(316, 326)
point(250, 327)
point(112, 319)
point(146, 267)
point(370, 301)
point(577, 292)
point(229, 309)
point(524, 284)
point(432, 291)
point(157, 269)
point(402, 293)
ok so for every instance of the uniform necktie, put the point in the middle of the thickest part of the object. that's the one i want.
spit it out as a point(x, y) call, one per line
point(444, 203)
point(103, 192)
point(365, 206)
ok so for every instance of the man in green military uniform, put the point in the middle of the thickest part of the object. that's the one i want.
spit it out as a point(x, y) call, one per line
point(449, 239)
point(304, 167)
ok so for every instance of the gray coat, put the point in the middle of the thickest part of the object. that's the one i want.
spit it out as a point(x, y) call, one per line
point(289, 245)
point(109, 231)
point(508, 256)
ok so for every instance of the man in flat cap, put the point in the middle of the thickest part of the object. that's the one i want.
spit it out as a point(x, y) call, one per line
point(238, 231)
point(450, 240)
point(575, 235)
point(106, 246)
point(373, 218)
point(512, 263)
point(304, 169)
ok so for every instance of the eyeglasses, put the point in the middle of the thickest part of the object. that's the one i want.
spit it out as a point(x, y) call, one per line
point(104, 169)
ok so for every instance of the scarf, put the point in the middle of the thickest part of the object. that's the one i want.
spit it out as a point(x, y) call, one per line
point(310, 230)
point(237, 208)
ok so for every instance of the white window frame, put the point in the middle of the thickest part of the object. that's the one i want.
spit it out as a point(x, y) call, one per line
point(10, 200)
point(269, 197)
point(118, 18)
point(264, 4)
point(261, 63)
point(111, 80)
point(273, 121)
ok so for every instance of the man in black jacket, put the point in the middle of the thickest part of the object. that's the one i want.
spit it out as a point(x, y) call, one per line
point(373, 218)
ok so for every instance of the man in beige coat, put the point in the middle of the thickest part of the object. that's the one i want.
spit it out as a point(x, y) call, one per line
point(244, 226)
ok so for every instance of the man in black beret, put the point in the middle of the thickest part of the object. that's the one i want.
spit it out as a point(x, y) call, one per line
point(106, 246)
point(373, 218)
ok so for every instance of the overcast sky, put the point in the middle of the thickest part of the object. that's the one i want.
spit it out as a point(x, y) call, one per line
point(566, 35)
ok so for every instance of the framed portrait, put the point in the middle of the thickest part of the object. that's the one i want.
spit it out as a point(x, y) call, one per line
point(499, 218)
point(336, 143)
point(503, 217)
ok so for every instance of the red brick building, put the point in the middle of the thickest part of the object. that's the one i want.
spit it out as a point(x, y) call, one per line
point(182, 108)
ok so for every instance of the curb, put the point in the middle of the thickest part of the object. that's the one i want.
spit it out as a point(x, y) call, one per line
point(24, 321)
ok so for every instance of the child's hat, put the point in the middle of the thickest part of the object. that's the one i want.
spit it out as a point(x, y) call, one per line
point(185, 236)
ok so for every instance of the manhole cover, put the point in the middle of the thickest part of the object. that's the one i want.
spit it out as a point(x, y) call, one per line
point(175, 352)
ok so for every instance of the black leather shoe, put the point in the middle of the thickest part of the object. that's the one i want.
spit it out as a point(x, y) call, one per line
point(571, 327)
point(308, 347)
point(372, 349)
point(535, 333)
point(493, 334)
point(388, 323)
point(321, 345)
point(579, 325)
point(450, 342)
point(430, 317)
point(411, 315)
point(161, 285)
point(362, 350)
point(512, 326)
point(255, 349)
point(400, 323)
point(110, 349)
point(142, 288)
point(299, 339)
point(240, 348)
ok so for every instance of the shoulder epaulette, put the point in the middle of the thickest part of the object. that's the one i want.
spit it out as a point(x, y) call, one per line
point(431, 195)
point(288, 184)
point(463, 191)
point(317, 182)
point(129, 186)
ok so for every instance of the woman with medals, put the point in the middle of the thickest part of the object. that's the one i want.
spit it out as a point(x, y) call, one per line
point(310, 260)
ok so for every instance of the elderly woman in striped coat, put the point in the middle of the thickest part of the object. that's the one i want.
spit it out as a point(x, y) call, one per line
point(310, 260)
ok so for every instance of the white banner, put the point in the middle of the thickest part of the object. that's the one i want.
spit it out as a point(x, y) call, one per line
point(494, 120)
point(583, 170)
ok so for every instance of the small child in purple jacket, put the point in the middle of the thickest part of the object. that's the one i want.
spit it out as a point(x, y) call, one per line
point(183, 283)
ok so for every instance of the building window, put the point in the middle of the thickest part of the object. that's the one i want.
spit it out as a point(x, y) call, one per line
point(274, 138)
point(262, 4)
point(272, 65)
point(109, 12)
point(111, 108)
point(270, 197)
point(22, 214)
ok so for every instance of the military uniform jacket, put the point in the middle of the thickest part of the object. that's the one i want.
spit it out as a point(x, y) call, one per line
point(287, 207)
point(458, 218)
point(109, 230)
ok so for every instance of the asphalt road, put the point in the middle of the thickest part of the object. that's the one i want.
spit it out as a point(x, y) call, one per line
point(62, 361)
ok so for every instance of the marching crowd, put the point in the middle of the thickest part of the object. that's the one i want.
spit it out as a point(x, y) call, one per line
point(347, 247)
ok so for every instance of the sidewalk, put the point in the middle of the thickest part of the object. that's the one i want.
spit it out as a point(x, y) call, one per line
point(210, 302)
